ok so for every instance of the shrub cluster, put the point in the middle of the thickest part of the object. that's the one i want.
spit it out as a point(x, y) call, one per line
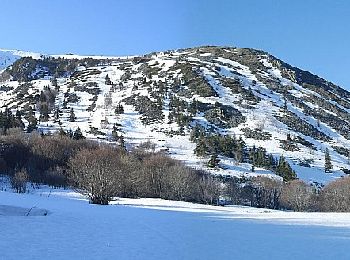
point(103, 171)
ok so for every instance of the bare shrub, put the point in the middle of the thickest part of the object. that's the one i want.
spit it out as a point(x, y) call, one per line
point(154, 173)
point(208, 188)
point(336, 196)
point(95, 172)
point(298, 196)
point(19, 181)
point(147, 146)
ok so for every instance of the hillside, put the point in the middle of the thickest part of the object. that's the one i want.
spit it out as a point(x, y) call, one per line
point(244, 106)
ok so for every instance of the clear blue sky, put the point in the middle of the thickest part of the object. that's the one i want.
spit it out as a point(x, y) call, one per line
point(311, 34)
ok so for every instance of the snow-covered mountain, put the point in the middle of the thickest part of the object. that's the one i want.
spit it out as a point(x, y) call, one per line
point(173, 98)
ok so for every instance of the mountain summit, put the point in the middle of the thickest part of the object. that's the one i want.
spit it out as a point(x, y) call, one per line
point(232, 111)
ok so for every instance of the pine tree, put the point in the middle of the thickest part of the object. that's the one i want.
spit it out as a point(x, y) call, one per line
point(327, 162)
point(44, 112)
point(213, 161)
point(108, 80)
point(201, 147)
point(285, 170)
point(55, 84)
point(19, 122)
point(56, 115)
point(115, 135)
point(119, 109)
point(72, 115)
point(31, 120)
point(122, 143)
point(78, 135)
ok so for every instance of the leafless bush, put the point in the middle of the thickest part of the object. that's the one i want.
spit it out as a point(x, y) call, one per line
point(298, 196)
point(335, 196)
point(96, 173)
point(147, 146)
point(19, 181)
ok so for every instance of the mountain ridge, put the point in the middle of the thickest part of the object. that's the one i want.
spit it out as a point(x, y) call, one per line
point(239, 92)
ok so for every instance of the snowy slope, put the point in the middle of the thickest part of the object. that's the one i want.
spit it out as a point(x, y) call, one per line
point(58, 224)
point(254, 83)
point(8, 57)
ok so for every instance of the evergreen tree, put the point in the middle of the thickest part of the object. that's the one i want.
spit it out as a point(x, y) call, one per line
point(115, 135)
point(32, 121)
point(78, 135)
point(119, 109)
point(213, 161)
point(122, 142)
point(72, 115)
point(327, 162)
point(240, 151)
point(108, 80)
point(44, 112)
point(56, 115)
point(19, 122)
point(195, 133)
point(285, 170)
point(201, 147)
point(55, 84)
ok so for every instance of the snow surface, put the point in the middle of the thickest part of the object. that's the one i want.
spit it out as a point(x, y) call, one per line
point(160, 229)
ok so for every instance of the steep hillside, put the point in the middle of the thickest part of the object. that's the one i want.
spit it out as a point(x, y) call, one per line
point(232, 111)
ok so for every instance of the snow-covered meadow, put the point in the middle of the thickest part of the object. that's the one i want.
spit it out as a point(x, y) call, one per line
point(61, 224)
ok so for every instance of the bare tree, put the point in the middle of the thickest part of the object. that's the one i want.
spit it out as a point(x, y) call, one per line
point(19, 181)
point(96, 173)
point(336, 196)
point(297, 195)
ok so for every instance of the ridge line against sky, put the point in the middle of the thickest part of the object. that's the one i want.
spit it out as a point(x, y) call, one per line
point(311, 35)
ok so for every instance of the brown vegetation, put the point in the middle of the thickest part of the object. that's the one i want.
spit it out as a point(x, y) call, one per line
point(104, 171)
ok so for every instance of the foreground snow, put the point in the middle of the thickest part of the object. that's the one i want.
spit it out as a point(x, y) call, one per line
point(62, 225)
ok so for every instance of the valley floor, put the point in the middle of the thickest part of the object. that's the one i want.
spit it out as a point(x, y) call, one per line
point(60, 224)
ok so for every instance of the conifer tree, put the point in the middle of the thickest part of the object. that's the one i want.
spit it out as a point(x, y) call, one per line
point(115, 135)
point(56, 115)
point(78, 135)
point(108, 80)
point(119, 109)
point(19, 122)
point(285, 170)
point(31, 120)
point(122, 142)
point(44, 112)
point(72, 115)
point(213, 161)
point(327, 162)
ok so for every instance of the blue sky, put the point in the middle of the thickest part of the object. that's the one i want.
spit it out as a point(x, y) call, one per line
point(312, 35)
